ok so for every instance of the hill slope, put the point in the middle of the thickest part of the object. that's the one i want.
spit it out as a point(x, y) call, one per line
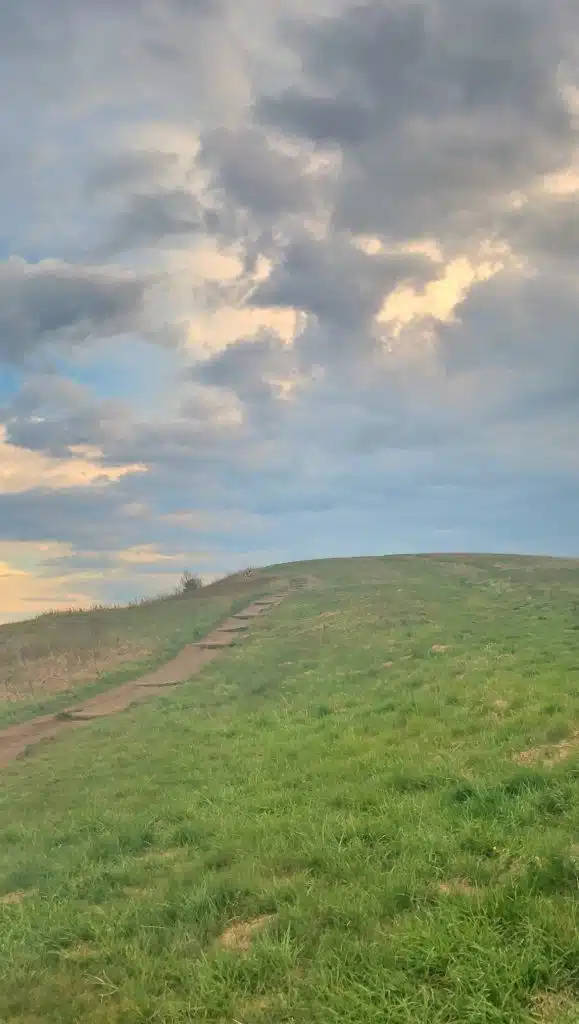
point(366, 813)
point(48, 661)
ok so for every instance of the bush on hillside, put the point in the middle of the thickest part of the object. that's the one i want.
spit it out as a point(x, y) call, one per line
point(190, 581)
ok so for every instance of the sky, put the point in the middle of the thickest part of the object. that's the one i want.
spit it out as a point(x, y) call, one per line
point(283, 280)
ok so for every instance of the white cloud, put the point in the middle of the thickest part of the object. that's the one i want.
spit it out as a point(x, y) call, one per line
point(24, 470)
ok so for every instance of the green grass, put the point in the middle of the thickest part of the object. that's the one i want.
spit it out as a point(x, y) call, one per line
point(340, 777)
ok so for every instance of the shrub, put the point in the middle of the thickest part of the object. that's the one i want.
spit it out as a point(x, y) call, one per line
point(189, 581)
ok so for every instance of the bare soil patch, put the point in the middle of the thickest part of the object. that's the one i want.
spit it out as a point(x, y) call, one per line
point(550, 753)
point(239, 936)
point(81, 952)
point(456, 887)
point(555, 1008)
point(16, 739)
point(233, 626)
point(12, 899)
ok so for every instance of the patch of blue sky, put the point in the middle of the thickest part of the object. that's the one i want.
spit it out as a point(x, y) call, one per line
point(130, 370)
point(11, 380)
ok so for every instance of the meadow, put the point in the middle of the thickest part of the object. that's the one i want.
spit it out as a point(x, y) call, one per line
point(367, 812)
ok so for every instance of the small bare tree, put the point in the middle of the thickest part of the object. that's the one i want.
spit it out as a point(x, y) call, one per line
point(189, 581)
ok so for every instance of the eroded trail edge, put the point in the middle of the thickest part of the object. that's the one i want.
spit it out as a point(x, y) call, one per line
point(16, 740)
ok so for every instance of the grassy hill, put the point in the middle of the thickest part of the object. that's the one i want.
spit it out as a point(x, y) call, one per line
point(368, 812)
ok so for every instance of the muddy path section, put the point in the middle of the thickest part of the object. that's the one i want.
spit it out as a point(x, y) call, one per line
point(17, 740)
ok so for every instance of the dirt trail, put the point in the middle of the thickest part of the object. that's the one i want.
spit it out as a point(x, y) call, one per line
point(16, 740)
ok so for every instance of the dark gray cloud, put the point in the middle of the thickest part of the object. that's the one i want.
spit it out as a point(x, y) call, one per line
point(518, 325)
point(546, 229)
point(252, 369)
point(125, 76)
point(25, 32)
point(151, 219)
point(53, 414)
point(335, 281)
point(251, 172)
point(67, 517)
point(438, 110)
point(54, 301)
point(325, 120)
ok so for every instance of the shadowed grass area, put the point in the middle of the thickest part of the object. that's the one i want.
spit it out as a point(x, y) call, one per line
point(367, 813)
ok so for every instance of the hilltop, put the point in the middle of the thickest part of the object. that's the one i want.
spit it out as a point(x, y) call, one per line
point(366, 811)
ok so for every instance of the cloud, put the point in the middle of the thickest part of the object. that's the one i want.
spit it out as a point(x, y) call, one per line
point(52, 301)
point(354, 229)
point(439, 111)
point(247, 168)
point(171, 215)
point(69, 516)
point(258, 371)
point(22, 468)
point(23, 591)
point(334, 280)
point(546, 229)
point(128, 170)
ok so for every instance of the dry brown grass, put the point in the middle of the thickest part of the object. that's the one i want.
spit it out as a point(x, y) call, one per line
point(555, 1008)
point(527, 757)
point(239, 936)
point(81, 952)
point(456, 887)
point(136, 892)
point(550, 753)
point(27, 675)
point(12, 899)
point(57, 652)
point(155, 855)
point(498, 710)
point(255, 1006)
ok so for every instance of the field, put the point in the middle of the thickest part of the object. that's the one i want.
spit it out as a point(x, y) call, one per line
point(367, 813)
